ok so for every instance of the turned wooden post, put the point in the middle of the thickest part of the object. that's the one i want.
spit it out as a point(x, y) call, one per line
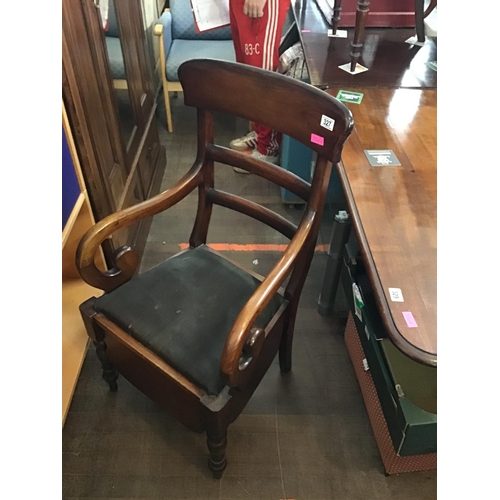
point(419, 20)
point(109, 372)
point(217, 443)
point(337, 7)
point(359, 30)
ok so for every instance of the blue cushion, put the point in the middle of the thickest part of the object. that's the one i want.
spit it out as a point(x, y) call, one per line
point(183, 310)
point(183, 24)
point(185, 50)
point(115, 56)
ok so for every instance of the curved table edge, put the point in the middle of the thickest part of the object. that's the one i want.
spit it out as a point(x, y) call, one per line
point(406, 347)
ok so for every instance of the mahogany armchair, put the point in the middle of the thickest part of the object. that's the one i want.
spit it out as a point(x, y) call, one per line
point(197, 333)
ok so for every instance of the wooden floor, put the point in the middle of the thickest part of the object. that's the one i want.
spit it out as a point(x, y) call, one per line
point(305, 435)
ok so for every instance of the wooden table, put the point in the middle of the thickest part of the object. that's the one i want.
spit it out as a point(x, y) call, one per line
point(391, 62)
point(393, 209)
point(383, 13)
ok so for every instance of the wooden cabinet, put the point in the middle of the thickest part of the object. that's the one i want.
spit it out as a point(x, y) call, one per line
point(112, 156)
point(112, 119)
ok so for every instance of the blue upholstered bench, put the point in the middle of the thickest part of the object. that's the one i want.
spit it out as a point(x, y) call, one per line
point(114, 48)
point(179, 42)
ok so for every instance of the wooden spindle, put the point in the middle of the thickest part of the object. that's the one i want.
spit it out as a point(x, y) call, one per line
point(359, 30)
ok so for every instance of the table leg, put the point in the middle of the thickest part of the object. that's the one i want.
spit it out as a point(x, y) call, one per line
point(419, 20)
point(338, 239)
point(359, 30)
point(337, 7)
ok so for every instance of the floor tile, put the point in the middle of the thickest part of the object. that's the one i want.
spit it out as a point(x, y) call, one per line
point(243, 487)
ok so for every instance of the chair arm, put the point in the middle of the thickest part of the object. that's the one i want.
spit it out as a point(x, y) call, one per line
point(244, 339)
point(163, 29)
point(127, 259)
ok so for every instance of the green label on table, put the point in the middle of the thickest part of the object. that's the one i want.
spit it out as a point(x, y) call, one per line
point(348, 96)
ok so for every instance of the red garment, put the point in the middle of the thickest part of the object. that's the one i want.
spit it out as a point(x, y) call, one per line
point(256, 42)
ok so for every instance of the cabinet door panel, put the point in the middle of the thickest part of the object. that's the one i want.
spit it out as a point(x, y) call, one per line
point(116, 183)
point(149, 159)
point(118, 172)
point(137, 62)
point(89, 99)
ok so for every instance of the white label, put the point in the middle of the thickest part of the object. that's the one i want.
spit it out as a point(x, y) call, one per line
point(396, 295)
point(327, 123)
point(339, 34)
point(358, 301)
point(365, 365)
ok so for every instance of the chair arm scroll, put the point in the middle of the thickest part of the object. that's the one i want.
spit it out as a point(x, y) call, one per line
point(251, 347)
point(245, 341)
point(127, 259)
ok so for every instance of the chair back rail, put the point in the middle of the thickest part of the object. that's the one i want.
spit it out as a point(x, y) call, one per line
point(296, 108)
point(254, 210)
point(279, 176)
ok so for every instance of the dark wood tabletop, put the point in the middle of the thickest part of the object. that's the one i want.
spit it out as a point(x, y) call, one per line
point(390, 61)
point(383, 13)
point(394, 209)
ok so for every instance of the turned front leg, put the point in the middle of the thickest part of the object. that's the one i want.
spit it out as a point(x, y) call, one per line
point(109, 372)
point(217, 453)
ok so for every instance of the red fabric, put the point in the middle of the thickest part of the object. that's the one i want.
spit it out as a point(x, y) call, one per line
point(256, 42)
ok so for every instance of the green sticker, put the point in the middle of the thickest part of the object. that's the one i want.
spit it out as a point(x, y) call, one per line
point(348, 96)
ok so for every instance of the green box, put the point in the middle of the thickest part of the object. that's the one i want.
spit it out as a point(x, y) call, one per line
point(406, 389)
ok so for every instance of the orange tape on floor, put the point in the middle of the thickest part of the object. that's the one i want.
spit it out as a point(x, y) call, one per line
point(234, 247)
